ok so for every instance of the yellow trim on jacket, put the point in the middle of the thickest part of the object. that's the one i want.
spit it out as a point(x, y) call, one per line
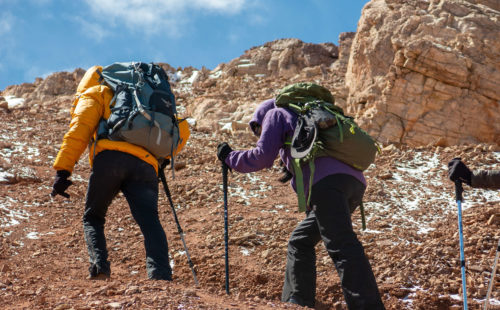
point(93, 105)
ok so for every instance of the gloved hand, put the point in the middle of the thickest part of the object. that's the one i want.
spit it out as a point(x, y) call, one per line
point(286, 175)
point(458, 171)
point(164, 163)
point(61, 183)
point(223, 150)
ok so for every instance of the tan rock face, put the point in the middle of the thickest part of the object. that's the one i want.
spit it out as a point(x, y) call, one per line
point(57, 89)
point(285, 57)
point(425, 72)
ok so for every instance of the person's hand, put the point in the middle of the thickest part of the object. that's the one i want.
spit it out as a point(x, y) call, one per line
point(458, 171)
point(61, 183)
point(164, 163)
point(286, 175)
point(223, 150)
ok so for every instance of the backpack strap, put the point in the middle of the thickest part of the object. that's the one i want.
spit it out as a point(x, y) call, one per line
point(299, 182)
point(362, 210)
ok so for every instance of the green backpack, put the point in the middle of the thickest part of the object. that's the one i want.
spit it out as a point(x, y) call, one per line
point(323, 130)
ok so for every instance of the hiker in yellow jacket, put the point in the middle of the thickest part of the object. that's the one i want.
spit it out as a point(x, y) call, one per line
point(116, 166)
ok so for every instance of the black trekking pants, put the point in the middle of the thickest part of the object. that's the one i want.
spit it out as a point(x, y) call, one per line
point(333, 200)
point(115, 171)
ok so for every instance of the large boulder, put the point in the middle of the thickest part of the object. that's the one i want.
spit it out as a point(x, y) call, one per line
point(423, 72)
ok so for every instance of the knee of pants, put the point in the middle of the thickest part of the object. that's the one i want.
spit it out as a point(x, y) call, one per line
point(92, 219)
point(300, 245)
point(347, 244)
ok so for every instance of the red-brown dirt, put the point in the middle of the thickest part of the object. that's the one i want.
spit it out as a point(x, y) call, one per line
point(411, 240)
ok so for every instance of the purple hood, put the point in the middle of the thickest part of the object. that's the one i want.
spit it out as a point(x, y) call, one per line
point(260, 113)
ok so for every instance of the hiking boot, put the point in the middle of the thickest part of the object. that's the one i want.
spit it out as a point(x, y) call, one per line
point(160, 276)
point(298, 301)
point(99, 276)
point(96, 273)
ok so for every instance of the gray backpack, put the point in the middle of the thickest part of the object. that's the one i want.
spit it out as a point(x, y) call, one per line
point(143, 108)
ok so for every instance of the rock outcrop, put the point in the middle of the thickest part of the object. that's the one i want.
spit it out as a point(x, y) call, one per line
point(56, 89)
point(285, 58)
point(424, 72)
point(225, 98)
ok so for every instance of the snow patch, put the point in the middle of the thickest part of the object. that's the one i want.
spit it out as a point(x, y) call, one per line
point(13, 102)
point(215, 75)
point(5, 176)
point(10, 217)
point(33, 235)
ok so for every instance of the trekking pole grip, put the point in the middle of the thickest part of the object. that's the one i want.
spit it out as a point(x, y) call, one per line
point(459, 189)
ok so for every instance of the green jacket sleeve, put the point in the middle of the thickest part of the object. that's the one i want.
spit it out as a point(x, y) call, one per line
point(486, 179)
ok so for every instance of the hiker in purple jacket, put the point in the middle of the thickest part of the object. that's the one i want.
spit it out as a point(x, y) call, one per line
point(336, 192)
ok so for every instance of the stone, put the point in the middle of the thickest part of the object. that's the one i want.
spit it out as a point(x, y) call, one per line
point(494, 219)
point(5, 268)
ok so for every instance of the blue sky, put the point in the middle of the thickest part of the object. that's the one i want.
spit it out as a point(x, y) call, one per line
point(39, 37)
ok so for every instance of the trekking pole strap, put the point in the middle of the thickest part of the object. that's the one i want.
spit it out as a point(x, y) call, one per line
point(299, 183)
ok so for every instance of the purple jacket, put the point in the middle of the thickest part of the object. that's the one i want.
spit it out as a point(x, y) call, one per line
point(278, 124)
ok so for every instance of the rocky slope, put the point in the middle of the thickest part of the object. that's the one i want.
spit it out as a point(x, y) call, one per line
point(411, 240)
point(409, 73)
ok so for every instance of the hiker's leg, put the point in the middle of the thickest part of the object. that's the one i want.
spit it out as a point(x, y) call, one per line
point(333, 199)
point(104, 184)
point(300, 273)
point(141, 191)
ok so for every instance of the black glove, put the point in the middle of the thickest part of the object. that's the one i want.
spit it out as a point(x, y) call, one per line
point(164, 163)
point(458, 171)
point(223, 150)
point(61, 183)
point(286, 175)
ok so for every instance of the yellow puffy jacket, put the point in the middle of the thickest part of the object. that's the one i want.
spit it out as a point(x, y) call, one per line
point(93, 105)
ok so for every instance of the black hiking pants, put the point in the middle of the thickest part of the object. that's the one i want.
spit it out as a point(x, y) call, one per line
point(333, 199)
point(115, 171)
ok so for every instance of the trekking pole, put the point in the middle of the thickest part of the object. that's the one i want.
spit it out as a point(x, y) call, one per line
point(181, 233)
point(458, 195)
point(492, 280)
point(226, 234)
